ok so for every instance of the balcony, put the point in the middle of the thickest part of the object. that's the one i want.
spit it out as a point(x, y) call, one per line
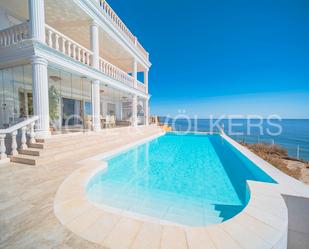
point(113, 17)
point(68, 47)
point(13, 35)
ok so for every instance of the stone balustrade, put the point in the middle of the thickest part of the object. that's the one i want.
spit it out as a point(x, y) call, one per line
point(111, 14)
point(142, 50)
point(14, 34)
point(116, 73)
point(141, 87)
point(24, 127)
point(67, 46)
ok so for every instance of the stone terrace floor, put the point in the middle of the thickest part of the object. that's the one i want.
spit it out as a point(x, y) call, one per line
point(27, 193)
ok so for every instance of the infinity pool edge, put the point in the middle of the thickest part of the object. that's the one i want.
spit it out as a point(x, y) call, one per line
point(264, 217)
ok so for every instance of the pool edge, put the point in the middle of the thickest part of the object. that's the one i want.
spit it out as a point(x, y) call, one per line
point(71, 207)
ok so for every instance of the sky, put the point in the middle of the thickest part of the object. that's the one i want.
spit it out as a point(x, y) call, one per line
point(224, 57)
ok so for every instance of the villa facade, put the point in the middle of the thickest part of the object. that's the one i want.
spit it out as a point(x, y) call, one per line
point(71, 63)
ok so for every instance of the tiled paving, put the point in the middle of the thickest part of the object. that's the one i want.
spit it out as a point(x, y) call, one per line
point(45, 207)
point(27, 193)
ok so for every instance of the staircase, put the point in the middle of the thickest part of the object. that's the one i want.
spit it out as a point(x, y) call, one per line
point(77, 144)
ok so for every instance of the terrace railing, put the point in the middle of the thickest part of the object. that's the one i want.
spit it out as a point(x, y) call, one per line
point(111, 14)
point(11, 133)
point(14, 34)
point(67, 46)
point(141, 86)
point(116, 73)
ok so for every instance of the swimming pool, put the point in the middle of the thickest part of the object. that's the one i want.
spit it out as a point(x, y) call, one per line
point(192, 180)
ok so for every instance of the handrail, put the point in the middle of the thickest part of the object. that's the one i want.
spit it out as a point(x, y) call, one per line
point(13, 131)
point(141, 86)
point(66, 45)
point(67, 38)
point(14, 34)
point(111, 14)
point(19, 125)
point(116, 73)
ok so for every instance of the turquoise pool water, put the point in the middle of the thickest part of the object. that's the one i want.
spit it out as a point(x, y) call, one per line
point(194, 180)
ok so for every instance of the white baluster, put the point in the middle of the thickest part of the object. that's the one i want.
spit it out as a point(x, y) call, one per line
point(32, 133)
point(2, 147)
point(49, 38)
point(8, 38)
point(12, 35)
point(63, 46)
point(5, 38)
point(69, 48)
point(56, 42)
point(74, 51)
point(78, 53)
point(82, 56)
point(88, 59)
point(23, 138)
point(14, 143)
point(1, 39)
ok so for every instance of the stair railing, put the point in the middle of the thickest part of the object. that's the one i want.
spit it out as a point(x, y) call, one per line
point(24, 126)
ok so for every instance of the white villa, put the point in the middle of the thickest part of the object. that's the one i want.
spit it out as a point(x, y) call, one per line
point(73, 64)
point(69, 71)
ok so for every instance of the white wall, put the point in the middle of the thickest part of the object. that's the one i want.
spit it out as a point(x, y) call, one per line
point(298, 212)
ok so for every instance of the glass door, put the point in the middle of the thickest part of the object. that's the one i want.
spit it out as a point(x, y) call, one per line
point(72, 112)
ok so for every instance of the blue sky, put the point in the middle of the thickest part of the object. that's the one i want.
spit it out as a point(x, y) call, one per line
point(224, 56)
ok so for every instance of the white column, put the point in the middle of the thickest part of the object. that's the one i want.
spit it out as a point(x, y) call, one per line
point(146, 79)
point(40, 95)
point(94, 30)
point(96, 122)
point(134, 73)
point(147, 112)
point(134, 110)
point(94, 39)
point(37, 20)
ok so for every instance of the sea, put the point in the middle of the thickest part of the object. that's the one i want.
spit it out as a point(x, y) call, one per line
point(291, 134)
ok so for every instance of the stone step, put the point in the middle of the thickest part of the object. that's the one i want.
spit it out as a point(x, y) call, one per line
point(31, 152)
point(68, 139)
point(82, 141)
point(64, 150)
point(36, 145)
point(79, 150)
point(24, 159)
point(58, 148)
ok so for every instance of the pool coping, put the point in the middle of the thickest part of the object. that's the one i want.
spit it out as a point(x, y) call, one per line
point(262, 223)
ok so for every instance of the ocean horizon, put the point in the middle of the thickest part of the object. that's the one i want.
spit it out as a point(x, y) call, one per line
point(294, 135)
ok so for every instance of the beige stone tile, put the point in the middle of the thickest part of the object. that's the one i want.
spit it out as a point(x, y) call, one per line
point(261, 229)
point(98, 230)
point(246, 238)
point(173, 238)
point(268, 218)
point(221, 239)
point(123, 234)
point(82, 222)
point(198, 238)
point(148, 237)
point(71, 209)
point(275, 206)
